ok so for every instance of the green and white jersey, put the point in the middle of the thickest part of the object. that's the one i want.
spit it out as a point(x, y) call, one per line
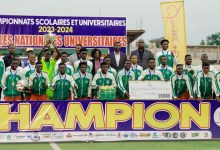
point(9, 80)
point(123, 78)
point(137, 70)
point(101, 79)
point(180, 84)
point(39, 83)
point(64, 84)
point(217, 77)
point(190, 71)
point(28, 71)
point(19, 68)
point(152, 75)
point(166, 71)
point(199, 68)
point(110, 70)
point(83, 82)
point(89, 65)
point(170, 59)
point(69, 70)
point(206, 84)
point(2, 69)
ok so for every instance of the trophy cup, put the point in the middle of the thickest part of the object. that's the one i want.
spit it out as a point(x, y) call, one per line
point(50, 37)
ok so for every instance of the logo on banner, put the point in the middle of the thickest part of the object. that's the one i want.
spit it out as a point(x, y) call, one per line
point(183, 135)
point(35, 137)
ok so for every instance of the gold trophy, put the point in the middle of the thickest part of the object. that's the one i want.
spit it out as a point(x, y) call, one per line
point(50, 37)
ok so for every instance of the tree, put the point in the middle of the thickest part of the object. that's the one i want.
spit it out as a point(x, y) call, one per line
point(213, 39)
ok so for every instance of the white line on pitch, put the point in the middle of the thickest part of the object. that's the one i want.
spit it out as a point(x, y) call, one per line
point(55, 146)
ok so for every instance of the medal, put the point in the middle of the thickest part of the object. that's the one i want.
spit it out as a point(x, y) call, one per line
point(12, 78)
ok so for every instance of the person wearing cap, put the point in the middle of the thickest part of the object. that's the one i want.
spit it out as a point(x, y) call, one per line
point(25, 62)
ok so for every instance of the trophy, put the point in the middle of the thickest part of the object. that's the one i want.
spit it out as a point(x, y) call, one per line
point(50, 37)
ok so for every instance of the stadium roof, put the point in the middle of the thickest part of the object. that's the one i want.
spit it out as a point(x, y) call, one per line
point(134, 34)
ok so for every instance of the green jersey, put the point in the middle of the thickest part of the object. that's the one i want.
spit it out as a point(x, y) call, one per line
point(101, 79)
point(83, 82)
point(123, 79)
point(137, 70)
point(180, 84)
point(9, 81)
point(190, 71)
point(2, 69)
point(166, 71)
point(28, 71)
point(89, 65)
point(206, 84)
point(151, 75)
point(170, 59)
point(69, 70)
point(217, 77)
point(63, 85)
point(110, 70)
point(39, 83)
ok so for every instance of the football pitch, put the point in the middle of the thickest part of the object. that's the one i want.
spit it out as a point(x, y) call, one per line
point(156, 145)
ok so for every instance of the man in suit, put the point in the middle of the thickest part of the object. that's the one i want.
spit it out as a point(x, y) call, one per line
point(76, 56)
point(143, 54)
point(117, 57)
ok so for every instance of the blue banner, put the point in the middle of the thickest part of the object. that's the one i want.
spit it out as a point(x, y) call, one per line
point(108, 121)
point(29, 31)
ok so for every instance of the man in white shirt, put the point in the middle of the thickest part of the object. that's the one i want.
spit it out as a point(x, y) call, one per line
point(118, 58)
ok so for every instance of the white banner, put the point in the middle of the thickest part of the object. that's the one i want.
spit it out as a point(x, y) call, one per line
point(103, 136)
point(150, 90)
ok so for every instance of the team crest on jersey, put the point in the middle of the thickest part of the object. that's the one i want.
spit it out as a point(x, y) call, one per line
point(169, 57)
point(107, 82)
point(86, 81)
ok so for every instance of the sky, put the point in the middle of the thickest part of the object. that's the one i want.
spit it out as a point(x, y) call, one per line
point(201, 15)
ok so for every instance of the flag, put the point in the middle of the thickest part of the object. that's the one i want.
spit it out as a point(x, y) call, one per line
point(174, 27)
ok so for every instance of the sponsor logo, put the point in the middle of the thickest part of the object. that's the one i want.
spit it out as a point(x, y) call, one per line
point(155, 135)
point(206, 134)
point(47, 135)
point(69, 135)
point(175, 135)
point(167, 135)
point(126, 135)
point(133, 135)
point(195, 134)
point(183, 135)
point(18, 137)
point(35, 137)
point(9, 137)
point(119, 135)
point(110, 134)
point(90, 134)
point(57, 136)
point(144, 134)
point(99, 134)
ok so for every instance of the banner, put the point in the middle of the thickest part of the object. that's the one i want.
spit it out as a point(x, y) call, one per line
point(108, 121)
point(174, 27)
point(29, 31)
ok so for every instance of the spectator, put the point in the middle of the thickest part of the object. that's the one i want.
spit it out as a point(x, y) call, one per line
point(11, 55)
point(117, 57)
point(143, 54)
point(74, 57)
point(25, 62)
point(96, 61)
